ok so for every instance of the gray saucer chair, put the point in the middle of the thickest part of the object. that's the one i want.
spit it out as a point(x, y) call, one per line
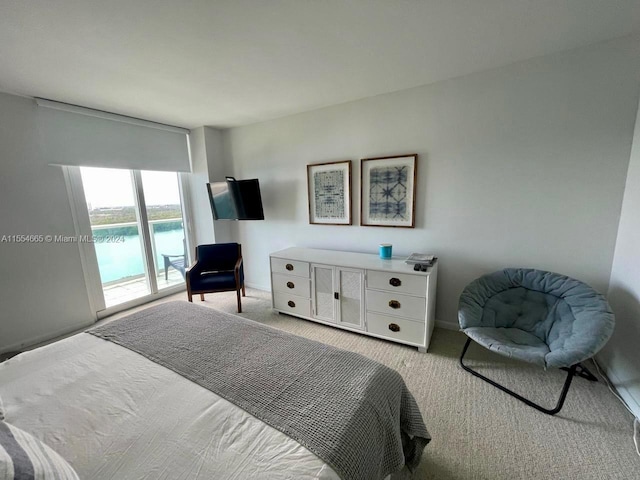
point(539, 317)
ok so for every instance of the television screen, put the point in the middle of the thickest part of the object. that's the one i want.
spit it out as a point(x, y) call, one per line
point(236, 199)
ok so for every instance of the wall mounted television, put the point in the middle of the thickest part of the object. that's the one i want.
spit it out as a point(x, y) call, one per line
point(236, 199)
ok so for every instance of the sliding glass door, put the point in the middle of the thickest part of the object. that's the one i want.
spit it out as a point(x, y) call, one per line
point(166, 226)
point(136, 221)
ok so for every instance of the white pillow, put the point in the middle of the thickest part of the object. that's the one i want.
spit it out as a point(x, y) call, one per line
point(24, 456)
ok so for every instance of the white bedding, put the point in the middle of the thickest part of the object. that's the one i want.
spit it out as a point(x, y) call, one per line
point(113, 414)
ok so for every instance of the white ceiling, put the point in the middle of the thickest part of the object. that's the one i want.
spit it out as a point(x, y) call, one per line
point(233, 62)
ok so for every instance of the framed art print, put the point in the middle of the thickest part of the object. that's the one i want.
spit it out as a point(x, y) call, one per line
point(388, 191)
point(329, 188)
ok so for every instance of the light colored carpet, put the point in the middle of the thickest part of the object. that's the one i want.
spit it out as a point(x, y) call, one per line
point(478, 431)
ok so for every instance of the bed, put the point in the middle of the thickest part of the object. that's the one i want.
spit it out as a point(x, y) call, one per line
point(180, 391)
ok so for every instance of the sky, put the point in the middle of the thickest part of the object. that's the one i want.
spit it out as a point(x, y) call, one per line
point(111, 187)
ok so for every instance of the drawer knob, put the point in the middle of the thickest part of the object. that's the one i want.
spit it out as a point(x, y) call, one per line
point(290, 285)
point(291, 303)
point(395, 282)
point(288, 266)
point(394, 304)
point(394, 327)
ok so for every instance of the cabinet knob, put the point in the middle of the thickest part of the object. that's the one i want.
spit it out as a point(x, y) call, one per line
point(290, 285)
point(291, 303)
point(395, 282)
point(288, 266)
point(394, 304)
point(394, 327)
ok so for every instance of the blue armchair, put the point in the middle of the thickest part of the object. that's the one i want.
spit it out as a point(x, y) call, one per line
point(218, 268)
point(539, 317)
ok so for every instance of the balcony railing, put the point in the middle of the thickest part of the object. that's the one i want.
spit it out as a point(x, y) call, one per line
point(122, 240)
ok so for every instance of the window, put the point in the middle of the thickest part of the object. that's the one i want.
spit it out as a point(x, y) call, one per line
point(137, 230)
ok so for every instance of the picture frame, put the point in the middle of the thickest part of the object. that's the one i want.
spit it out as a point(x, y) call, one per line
point(388, 191)
point(329, 193)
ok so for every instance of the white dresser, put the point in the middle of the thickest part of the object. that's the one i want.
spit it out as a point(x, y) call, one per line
point(356, 291)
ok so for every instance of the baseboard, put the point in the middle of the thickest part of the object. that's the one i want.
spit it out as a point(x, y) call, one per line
point(258, 287)
point(34, 342)
point(447, 325)
point(626, 395)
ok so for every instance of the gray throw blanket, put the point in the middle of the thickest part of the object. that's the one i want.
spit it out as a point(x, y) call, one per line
point(355, 414)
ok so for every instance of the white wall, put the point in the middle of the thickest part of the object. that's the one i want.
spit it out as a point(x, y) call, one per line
point(219, 168)
point(208, 165)
point(620, 357)
point(42, 289)
point(201, 220)
point(519, 166)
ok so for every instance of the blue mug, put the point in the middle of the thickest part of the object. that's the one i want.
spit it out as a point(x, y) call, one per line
point(385, 250)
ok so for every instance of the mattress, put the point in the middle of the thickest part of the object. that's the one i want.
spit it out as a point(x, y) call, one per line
point(113, 414)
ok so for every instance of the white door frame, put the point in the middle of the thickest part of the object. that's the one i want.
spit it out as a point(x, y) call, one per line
point(88, 257)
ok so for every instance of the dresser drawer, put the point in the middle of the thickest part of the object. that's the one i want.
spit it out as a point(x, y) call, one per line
point(290, 267)
point(292, 304)
point(396, 328)
point(392, 303)
point(397, 282)
point(291, 285)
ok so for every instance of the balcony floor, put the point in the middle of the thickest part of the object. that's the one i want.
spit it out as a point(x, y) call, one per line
point(131, 289)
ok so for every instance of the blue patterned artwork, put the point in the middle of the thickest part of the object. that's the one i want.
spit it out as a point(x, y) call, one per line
point(329, 194)
point(388, 193)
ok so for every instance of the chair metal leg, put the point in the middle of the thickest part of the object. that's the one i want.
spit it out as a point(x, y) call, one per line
point(583, 372)
point(567, 383)
point(239, 304)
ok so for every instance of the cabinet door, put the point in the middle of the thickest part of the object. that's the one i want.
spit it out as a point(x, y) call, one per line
point(323, 293)
point(350, 287)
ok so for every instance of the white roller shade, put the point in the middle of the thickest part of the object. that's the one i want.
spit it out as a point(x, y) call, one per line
point(71, 135)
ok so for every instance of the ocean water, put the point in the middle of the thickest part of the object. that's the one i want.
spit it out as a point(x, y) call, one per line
point(120, 260)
